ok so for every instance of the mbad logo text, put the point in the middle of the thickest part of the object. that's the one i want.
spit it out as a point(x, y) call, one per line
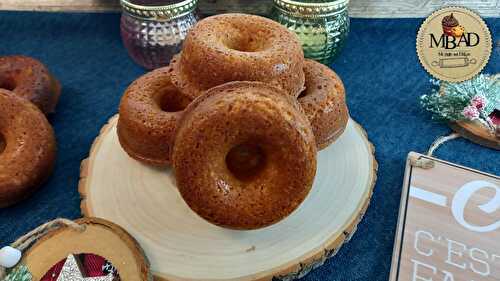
point(453, 35)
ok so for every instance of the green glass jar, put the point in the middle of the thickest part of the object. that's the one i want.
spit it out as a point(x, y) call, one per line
point(322, 26)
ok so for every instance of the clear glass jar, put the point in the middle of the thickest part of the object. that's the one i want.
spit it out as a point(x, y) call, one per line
point(322, 26)
point(153, 30)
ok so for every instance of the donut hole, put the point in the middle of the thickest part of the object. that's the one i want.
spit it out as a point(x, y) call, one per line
point(170, 100)
point(311, 88)
point(246, 40)
point(3, 143)
point(303, 94)
point(245, 161)
point(7, 83)
point(245, 45)
point(170, 105)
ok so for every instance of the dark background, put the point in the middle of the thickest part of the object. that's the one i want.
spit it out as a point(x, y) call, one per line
point(380, 70)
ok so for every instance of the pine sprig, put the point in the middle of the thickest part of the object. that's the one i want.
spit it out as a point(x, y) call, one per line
point(19, 273)
point(469, 100)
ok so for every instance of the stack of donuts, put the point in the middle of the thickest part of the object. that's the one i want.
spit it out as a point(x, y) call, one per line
point(27, 143)
point(240, 115)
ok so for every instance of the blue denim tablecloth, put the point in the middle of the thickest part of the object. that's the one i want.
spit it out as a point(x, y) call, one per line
point(380, 70)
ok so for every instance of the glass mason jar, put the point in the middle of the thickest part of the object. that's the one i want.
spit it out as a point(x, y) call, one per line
point(322, 26)
point(153, 32)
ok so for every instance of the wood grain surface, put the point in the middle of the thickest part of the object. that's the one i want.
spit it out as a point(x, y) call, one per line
point(182, 246)
point(444, 228)
point(358, 8)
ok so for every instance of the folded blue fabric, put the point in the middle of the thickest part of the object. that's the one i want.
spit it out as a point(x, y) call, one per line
point(380, 70)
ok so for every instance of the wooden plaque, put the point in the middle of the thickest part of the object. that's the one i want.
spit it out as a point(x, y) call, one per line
point(449, 225)
point(181, 246)
point(100, 237)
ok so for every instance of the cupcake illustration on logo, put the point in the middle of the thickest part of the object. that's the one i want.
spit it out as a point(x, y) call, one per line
point(451, 26)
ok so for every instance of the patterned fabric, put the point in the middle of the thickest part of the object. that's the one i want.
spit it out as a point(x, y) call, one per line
point(92, 266)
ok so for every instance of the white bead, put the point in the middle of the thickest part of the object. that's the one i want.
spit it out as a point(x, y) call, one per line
point(9, 256)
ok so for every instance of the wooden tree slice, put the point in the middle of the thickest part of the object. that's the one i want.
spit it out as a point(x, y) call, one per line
point(182, 246)
point(101, 238)
point(477, 133)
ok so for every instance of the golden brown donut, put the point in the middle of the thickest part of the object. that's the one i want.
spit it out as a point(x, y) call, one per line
point(149, 111)
point(244, 155)
point(27, 148)
point(323, 102)
point(239, 47)
point(30, 79)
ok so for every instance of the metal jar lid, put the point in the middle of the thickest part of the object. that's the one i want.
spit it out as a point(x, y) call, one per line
point(311, 10)
point(159, 13)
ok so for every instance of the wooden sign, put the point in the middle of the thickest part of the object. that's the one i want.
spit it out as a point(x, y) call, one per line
point(449, 224)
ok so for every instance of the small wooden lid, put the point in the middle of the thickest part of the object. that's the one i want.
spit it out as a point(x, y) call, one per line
point(477, 133)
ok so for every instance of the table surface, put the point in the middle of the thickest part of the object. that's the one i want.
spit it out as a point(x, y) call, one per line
point(383, 80)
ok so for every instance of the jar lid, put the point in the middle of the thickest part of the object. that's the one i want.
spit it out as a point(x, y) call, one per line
point(159, 13)
point(309, 9)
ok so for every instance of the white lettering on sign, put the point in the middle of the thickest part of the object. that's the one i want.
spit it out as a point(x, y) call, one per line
point(460, 201)
point(476, 255)
point(448, 276)
point(458, 254)
point(455, 254)
point(463, 196)
point(431, 197)
point(420, 235)
point(424, 272)
point(420, 265)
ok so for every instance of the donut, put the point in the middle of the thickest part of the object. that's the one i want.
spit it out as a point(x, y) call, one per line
point(323, 102)
point(238, 47)
point(30, 79)
point(244, 155)
point(149, 111)
point(27, 148)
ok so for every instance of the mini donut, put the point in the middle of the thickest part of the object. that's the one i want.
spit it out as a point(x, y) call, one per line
point(239, 47)
point(323, 102)
point(27, 148)
point(244, 155)
point(149, 111)
point(30, 79)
